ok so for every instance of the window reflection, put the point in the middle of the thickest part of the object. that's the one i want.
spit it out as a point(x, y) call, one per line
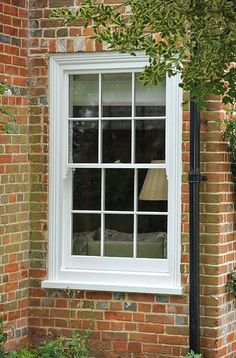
point(116, 95)
point(87, 189)
point(118, 235)
point(86, 238)
point(119, 194)
point(83, 142)
point(149, 100)
point(84, 96)
point(116, 141)
point(152, 236)
point(150, 140)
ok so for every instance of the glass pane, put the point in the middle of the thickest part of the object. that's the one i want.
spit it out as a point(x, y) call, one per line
point(84, 96)
point(87, 189)
point(119, 189)
point(152, 236)
point(116, 141)
point(118, 236)
point(86, 234)
point(149, 100)
point(150, 140)
point(83, 142)
point(116, 95)
point(152, 190)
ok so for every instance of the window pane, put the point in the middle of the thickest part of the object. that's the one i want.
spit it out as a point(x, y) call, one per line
point(87, 189)
point(152, 236)
point(116, 141)
point(86, 234)
point(152, 190)
point(84, 96)
point(118, 236)
point(119, 189)
point(83, 142)
point(150, 140)
point(116, 95)
point(149, 100)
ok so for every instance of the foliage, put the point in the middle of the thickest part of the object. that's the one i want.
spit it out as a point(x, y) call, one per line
point(76, 347)
point(8, 124)
point(193, 355)
point(23, 353)
point(196, 38)
point(228, 126)
point(52, 349)
point(231, 283)
point(3, 338)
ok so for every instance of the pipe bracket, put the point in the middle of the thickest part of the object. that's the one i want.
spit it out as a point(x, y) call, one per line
point(196, 177)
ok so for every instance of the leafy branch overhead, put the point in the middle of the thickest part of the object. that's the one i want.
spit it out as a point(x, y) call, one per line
point(196, 38)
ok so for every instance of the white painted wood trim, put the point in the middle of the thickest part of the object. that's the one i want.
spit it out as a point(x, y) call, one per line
point(60, 284)
point(165, 280)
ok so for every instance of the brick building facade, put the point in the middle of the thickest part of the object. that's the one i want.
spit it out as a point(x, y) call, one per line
point(124, 324)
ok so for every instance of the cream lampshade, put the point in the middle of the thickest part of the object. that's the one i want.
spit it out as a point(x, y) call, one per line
point(155, 186)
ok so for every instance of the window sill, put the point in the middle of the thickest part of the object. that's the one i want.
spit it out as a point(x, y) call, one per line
point(113, 288)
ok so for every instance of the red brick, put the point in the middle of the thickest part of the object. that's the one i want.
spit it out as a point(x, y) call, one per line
point(134, 347)
point(5, 159)
point(152, 328)
point(12, 267)
point(118, 316)
point(143, 337)
point(173, 340)
point(165, 319)
point(120, 346)
point(114, 336)
point(156, 348)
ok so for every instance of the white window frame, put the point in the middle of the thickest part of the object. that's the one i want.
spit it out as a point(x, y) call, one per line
point(99, 273)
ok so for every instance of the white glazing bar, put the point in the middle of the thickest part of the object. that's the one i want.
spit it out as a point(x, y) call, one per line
point(70, 141)
point(67, 132)
point(133, 123)
point(161, 118)
point(100, 115)
point(70, 218)
point(135, 210)
point(70, 102)
point(118, 166)
point(86, 211)
point(102, 211)
point(114, 118)
point(157, 213)
point(76, 119)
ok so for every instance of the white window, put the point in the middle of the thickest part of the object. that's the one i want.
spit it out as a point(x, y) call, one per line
point(115, 176)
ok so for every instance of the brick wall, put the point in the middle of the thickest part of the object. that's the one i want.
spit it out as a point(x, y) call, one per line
point(218, 240)
point(14, 171)
point(145, 325)
point(124, 324)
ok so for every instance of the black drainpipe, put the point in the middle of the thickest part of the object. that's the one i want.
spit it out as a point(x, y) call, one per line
point(195, 178)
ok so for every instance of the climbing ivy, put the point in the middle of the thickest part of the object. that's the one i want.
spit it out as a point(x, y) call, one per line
point(195, 38)
point(6, 115)
point(228, 128)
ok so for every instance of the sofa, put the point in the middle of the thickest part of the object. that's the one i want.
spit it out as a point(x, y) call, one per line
point(120, 244)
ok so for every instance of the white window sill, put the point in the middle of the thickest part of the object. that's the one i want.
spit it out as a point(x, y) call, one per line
point(113, 288)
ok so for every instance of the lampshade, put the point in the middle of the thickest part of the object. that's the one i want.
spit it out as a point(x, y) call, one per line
point(155, 186)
